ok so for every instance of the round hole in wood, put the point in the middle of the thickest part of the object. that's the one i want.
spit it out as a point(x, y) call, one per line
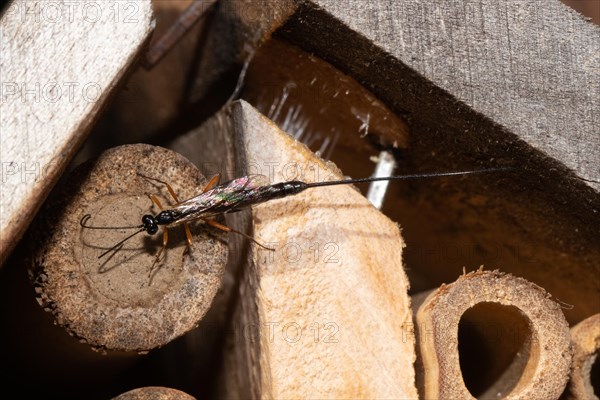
point(495, 348)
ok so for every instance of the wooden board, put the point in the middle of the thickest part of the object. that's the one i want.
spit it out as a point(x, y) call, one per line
point(530, 67)
point(60, 61)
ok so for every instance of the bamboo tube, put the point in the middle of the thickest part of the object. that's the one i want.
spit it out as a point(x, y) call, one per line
point(506, 315)
point(154, 393)
point(306, 95)
point(120, 301)
point(586, 343)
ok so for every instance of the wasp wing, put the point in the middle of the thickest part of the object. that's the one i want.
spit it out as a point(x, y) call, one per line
point(231, 196)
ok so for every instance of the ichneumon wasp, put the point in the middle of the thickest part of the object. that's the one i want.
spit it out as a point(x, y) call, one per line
point(232, 196)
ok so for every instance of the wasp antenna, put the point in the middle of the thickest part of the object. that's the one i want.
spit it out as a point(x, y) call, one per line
point(112, 254)
point(83, 220)
point(86, 218)
point(117, 246)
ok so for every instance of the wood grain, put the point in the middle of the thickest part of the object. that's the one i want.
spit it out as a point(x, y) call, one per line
point(326, 315)
point(530, 67)
point(60, 61)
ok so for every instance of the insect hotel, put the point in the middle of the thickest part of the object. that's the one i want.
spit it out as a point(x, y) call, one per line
point(300, 199)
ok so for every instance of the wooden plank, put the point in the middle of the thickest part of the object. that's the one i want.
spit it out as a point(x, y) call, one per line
point(330, 303)
point(60, 61)
point(531, 67)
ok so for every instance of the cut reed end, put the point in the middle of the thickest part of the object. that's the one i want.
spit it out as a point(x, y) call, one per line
point(154, 393)
point(490, 334)
point(585, 374)
point(123, 300)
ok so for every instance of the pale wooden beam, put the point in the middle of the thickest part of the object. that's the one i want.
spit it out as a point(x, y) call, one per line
point(60, 62)
point(326, 315)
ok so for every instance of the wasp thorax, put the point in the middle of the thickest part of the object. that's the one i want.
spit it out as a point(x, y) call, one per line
point(166, 217)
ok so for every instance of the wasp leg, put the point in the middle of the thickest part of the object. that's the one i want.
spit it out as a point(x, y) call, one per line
point(169, 188)
point(228, 229)
point(213, 181)
point(164, 246)
point(156, 201)
point(188, 234)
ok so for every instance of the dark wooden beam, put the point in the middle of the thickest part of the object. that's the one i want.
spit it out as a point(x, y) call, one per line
point(529, 68)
